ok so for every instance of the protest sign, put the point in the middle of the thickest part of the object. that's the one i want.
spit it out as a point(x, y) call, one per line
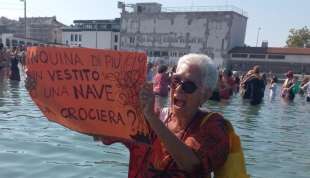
point(89, 90)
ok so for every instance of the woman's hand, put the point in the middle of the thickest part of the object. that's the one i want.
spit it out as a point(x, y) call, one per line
point(147, 99)
point(106, 141)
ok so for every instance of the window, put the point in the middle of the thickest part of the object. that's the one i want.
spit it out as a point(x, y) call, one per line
point(276, 56)
point(258, 56)
point(189, 21)
point(14, 43)
point(71, 37)
point(239, 55)
point(139, 9)
point(223, 42)
point(132, 39)
point(75, 37)
point(164, 53)
point(156, 53)
point(181, 54)
point(173, 54)
point(115, 47)
point(8, 42)
point(109, 27)
point(80, 37)
point(150, 53)
point(115, 38)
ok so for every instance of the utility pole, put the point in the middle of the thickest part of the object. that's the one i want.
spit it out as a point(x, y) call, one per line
point(258, 30)
point(96, 28)
point(25, 17)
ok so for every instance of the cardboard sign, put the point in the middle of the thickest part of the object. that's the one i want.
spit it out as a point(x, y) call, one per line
point(90, 91)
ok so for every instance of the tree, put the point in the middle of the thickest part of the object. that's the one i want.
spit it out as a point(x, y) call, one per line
point(299, 38)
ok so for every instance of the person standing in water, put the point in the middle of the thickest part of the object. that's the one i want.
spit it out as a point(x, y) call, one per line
point(272, 89)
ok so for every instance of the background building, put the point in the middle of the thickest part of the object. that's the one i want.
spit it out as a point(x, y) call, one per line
point(9, 40)
point(102, 34)
point(7, 25)
point(166, 34)
point(43, 29)
point(271, 59)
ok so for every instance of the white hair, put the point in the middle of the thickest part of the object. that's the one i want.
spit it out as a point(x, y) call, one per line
point(208, 70)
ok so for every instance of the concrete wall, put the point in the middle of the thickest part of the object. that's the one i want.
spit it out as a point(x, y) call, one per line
point(178, 33)
point(238, 30)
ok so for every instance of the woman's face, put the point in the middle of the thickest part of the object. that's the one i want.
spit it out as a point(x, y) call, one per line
point(187, 91)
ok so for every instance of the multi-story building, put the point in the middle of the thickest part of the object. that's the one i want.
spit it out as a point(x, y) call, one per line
point(43, 29)
point(102, 34)
point(46, 29)
point(7, 25)
point(166, 34)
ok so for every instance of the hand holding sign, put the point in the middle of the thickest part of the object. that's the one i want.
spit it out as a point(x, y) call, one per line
point(90, 91)
point(147, 99)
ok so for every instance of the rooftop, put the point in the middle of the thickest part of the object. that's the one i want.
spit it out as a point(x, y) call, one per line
point(226, 8)
point(116, 20)
point(94, 25)
point(157, 8)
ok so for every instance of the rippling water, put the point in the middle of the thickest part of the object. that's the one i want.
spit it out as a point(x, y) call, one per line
point(275, 137)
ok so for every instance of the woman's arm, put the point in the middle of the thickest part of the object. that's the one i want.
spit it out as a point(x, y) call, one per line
point(183, 155)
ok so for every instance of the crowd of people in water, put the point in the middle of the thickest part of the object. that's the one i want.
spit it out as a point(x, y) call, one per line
point(10, 58)
point(251, 85)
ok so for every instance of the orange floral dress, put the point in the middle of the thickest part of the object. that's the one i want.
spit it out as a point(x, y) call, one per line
point(209, 141)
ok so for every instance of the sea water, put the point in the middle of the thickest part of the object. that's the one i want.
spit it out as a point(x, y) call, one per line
point(275, 137)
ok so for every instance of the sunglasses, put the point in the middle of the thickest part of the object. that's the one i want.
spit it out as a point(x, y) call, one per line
point(187, 86)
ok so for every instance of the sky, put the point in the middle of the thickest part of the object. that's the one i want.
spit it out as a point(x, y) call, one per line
point(269, 20)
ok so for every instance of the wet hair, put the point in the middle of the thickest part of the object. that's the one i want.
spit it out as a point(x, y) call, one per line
point(275, 79)
point(289, 74)
point(227, 72)
point(174, 68)
point(208, 70)
point(162, 69)
point(149, 65)
point(256, 69)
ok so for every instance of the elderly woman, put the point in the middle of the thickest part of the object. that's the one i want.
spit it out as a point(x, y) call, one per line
point(186, 143)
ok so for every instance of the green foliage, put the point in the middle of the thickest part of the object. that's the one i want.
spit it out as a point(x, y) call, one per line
point(299, 38)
